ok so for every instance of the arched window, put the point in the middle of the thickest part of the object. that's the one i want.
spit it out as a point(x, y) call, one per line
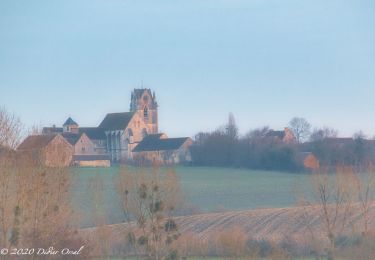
point(130, 135)
point(145, 112)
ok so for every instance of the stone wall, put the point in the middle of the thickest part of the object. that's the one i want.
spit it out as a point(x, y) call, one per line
point(97, 163)
point(84, 146)
point(58, 153)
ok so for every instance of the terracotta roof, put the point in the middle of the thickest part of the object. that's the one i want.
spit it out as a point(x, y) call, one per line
point(70, 121)
point(154, 144)
point(90, 157)
point(94, 133)
point(36, 142)
point(116, 121)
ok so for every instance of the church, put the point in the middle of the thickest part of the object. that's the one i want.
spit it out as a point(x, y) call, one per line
point(125, 137)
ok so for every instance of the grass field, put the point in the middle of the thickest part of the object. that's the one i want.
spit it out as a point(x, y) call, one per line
point(205, 190)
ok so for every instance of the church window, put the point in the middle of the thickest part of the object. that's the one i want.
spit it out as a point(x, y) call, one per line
point(145, 112)
point(130, 135)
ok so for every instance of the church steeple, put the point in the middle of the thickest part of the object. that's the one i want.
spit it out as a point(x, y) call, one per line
point(143, 102)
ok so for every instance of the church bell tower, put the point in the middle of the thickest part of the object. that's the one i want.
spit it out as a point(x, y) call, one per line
point(143, 102)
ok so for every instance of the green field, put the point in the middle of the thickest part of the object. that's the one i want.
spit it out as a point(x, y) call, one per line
point(205, 189)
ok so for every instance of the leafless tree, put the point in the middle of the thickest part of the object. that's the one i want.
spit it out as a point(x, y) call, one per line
point(366, 182)
point(35, 130)
point(301, 128)
point(257, 134)
point(359, 135)
point(321, 133)
point(10, 129)
point(150, 199)
point(335, 196)
point(35, 208)
point(231, 127)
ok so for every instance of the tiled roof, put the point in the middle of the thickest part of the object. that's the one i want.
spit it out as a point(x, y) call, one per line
point(94, 133)
point(151, 137)
point(72, 138)
point(279, 134)
point(36, 142)
point(70, 121)
point(116, 121)
point(52, 130)
point(154, 144)
point(90, 157)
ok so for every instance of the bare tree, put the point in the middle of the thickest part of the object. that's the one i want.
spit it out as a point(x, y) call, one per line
point(35, 209)
point(366, 182)
point(8, 199)
point(259, 133)
point(335, 196)
point(10, 129)
point(35, 130)
point(231, 127)
point(359, 135)
point(301, 128)
point(150, 199)
point(322, 133)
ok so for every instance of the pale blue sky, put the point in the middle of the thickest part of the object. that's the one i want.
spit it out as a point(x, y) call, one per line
point(264, 60)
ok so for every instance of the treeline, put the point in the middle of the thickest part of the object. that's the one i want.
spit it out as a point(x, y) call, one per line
point(357, 151)
point(266, 149)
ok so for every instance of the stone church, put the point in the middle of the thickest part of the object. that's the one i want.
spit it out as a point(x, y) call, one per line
point(123, 137)
point(126, 130)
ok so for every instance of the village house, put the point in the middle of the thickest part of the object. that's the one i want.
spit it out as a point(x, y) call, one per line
point(286, 136)
point(50, 150)
point(119, 134)
point(159, 149)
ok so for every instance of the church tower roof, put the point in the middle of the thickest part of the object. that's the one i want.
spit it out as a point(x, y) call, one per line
point(70, 121)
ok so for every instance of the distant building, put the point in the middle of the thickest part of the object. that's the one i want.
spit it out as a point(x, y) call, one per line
point(99, 160)
point(159, 149)
point(119, 134)
point(82, 145)
point(285, 136)
point(123, 132)
point(50, 150)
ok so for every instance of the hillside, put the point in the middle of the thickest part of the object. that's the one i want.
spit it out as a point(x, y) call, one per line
point(299, 227)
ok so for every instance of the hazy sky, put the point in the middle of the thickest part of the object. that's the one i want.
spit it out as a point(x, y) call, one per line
point(263, 60)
